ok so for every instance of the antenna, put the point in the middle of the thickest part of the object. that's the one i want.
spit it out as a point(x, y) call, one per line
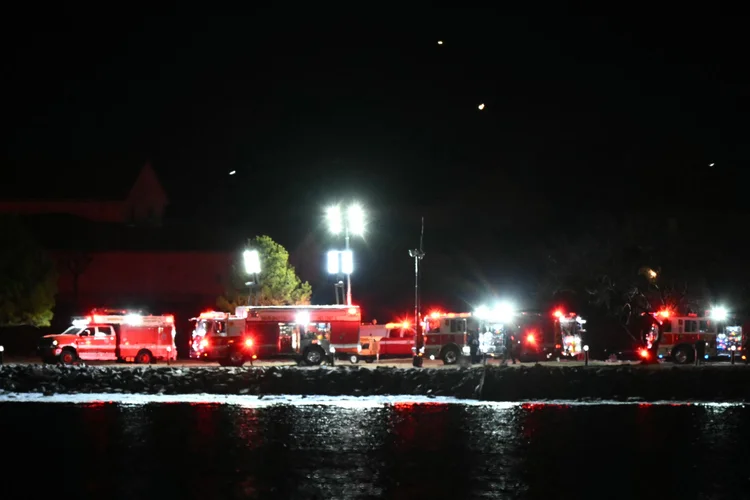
point(417, 254)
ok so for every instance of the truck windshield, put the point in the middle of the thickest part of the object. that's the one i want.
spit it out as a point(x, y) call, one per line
point(209, 327)
point(72, 330)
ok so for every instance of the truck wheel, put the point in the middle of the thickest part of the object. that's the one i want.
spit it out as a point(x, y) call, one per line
point(450, 356)
point(144, 357)
point(314, 356)
point(682, 355)
point(236, 358)
point(354, 359)
point(68, 356)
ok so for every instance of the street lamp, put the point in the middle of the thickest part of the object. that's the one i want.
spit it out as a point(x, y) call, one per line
point(352, 224)
point(251, 259)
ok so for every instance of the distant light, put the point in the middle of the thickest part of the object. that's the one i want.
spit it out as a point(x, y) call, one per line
point(481, 107)
point(134, 319)
point(652, 274)
point(232, 172)
point(334, 219)
point(303, 318)
point(347, 262)
point(586, 348)
point(356, 220)
point(440, 42)
point(705, 356)
point(644, 353)
point(719, 313)
point(530, 338)
point(558, 314)
point(711, 164)
point(333, 262)
point(251, 259)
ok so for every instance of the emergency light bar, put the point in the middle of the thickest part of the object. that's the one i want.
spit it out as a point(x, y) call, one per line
point(127, 319)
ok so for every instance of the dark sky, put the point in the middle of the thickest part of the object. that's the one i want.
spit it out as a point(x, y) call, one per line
point(310, 107)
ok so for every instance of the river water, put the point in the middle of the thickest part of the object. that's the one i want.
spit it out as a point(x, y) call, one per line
point(372, 448)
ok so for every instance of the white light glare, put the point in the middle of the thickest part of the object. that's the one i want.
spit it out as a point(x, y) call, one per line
point(482, 312)
point(251, 259)
point(335, 223)
point(356, 220)
point(481, 107)
point(440, 42)
point(2, 349)
point(232, 172)
point(347, 262)
point(333, 262)
point(586, 348)
point(504, 312)
point(134, 319)
point(719, 313)
point(303, 318)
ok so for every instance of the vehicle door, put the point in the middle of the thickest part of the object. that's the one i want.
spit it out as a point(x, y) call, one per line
point(84, 347)
point(104, 343)
point(405, 342)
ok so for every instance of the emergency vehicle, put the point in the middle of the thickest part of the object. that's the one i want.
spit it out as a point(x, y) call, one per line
point(309, 334)
point(112, 335)
point(680, 333)
point(535, 335)
point(392, 340)
point(212, 323)
point(447, 335)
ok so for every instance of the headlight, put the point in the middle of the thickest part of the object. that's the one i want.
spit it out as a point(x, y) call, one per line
point(359, 348)
point(466, 350)
point(332, 349)
point(54, 342)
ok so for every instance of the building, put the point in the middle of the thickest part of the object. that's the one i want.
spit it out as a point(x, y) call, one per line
point(116, 249)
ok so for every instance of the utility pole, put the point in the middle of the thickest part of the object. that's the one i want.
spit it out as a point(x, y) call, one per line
point(417, 254)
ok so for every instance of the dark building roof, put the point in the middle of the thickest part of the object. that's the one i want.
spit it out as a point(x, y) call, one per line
point(66, 232)
point(111, 182)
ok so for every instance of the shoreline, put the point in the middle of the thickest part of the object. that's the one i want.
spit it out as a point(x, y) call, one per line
point(500, 384)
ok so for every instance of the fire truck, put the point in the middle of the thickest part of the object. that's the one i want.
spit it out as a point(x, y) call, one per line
point(680, 333)
point(447, 336)
point(392, 340)
point(309, 334)
point(112, 335)
point(536, 336)
point(213, 324)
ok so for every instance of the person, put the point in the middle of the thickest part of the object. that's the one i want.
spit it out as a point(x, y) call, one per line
point(510, 341)
point(700, 351)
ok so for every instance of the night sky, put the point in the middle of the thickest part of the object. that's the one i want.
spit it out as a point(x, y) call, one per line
point(581, 115)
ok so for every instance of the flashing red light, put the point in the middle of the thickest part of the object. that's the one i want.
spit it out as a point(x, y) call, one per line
point(98, 319)
point(169, 318)
point(204, 343)
point(664, 313)
point(352, 310)
point(435, 314)
point(248, 342)
point(644, 353)
point(559, 314)
point(530, 338)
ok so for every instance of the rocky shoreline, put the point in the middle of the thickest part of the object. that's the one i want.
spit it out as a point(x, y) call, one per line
point(538, 383)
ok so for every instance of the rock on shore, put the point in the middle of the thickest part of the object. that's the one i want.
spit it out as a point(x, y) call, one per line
point(711, 383)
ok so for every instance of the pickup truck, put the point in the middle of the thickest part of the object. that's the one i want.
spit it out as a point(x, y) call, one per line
point(393, 340)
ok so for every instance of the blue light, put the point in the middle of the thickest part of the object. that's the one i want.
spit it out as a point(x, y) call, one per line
point(705, 357)
point(661, 356)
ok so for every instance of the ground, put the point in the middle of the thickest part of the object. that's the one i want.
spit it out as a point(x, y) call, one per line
point(391, 363)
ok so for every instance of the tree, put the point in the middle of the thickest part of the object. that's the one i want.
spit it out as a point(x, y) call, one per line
point(76, 262)
point(28, 278)
point(278, 283)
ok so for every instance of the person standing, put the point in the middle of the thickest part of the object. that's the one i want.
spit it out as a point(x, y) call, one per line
point(510, 341)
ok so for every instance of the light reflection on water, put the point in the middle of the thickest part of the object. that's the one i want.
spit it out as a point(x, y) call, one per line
point(367, 449)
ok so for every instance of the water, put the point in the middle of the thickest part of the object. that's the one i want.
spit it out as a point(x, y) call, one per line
point(369, 449)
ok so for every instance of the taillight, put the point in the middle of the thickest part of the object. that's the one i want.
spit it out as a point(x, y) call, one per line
point(644, 353)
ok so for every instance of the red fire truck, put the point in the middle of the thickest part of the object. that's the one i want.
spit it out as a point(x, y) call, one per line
point(389, 341)
point(680, 333)
point(309, 334)
point(446, 335)
point(536, 335)
point(213, 324)
point(112, 335)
